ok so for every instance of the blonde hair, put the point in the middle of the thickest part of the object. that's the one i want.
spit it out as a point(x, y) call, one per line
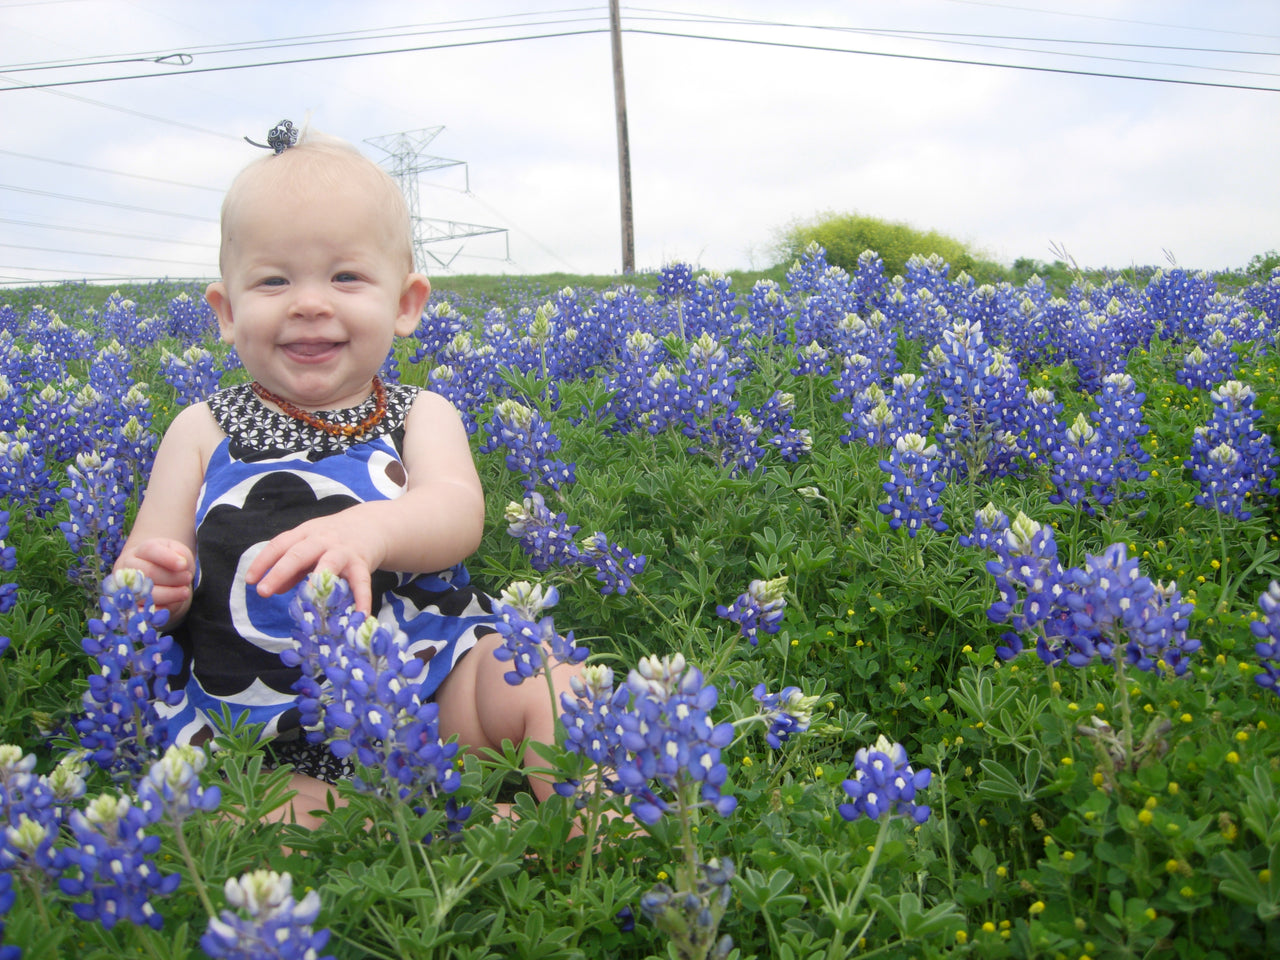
point(320, 161)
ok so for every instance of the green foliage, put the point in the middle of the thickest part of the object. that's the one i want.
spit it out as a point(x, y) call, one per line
point(845, 236)
point(1261, 265)
point(1075, 812)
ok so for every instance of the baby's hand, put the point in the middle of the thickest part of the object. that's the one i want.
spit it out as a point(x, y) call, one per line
point(338, 543)
point(169, 565)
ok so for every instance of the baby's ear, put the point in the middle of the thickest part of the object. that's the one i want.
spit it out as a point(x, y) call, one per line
point(413, 298)
point(216, 296)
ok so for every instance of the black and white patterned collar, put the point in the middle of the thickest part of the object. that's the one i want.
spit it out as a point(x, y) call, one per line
point(255, 427)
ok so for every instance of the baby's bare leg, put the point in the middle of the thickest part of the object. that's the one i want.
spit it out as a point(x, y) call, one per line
point(478, 705)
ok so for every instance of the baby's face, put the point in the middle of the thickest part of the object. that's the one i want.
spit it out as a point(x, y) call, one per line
point(314, 291)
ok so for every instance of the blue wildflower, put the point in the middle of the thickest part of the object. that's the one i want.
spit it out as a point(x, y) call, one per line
point(614, 564)
point(914, 489)
point(669, 737)
point(265, 922)
point(1267, 633)
point(530, 642)
point(884, 784)
point(113, 854)
point(546, 537)
point(760, 608)
point(788, 712)
point(120, 727)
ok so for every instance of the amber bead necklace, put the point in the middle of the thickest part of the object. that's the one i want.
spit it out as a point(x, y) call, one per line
point(347, 431)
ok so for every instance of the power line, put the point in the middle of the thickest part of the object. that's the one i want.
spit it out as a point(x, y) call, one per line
point(112, 256)
point(118, 173)
point(105, 203)
point(954, 60)
point(659, 33)
point(896, 31)
point(107, 233)
point(310, 39)
point(944, 37)
point(318, 59)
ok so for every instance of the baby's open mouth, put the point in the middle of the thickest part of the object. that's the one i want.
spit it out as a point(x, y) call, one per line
point(311, 349)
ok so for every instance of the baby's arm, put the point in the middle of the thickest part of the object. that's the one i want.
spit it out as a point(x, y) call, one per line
point(162, 541)
point(437, 522)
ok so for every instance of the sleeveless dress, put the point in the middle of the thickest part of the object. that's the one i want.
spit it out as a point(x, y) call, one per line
point(269, 474)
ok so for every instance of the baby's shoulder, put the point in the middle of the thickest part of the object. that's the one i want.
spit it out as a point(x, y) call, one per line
point(194, 428)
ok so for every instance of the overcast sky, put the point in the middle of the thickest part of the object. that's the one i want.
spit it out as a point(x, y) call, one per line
point(730, 141)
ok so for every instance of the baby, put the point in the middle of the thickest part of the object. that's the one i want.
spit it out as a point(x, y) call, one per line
point(317, 465)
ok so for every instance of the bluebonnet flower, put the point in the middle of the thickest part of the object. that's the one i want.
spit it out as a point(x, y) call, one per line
point(1223, 475)
point(322, 609)
point(1232, 459)
point(24, 477)
point(371, 706)
point(530, 641)
point(120, 727)
point(913, 487)
point(1120, 426)
point(172, 785)
point(767, 311)
point(1119, 615)
point(989, 526)
point(811, 360)
point(193, 376)
point(7, 897)
point(1208, 364)
point(265, 922)
point(1267, 633)
point(691, 918)
point(113, 854)
point(191, 319)
point(1178, 301)
point(870, 418)
point(1082, 471)
point(669, 737)
point(8, 560)
point(984, 403)
point(530, 444)
point(1030, 581)
point(857, 373)
point(884, 784)
point(1045, 433)
point(546, 537)
point(590, 717)
point(32, 813)
point(760, 608)
point(614, 564)
point(775, 418)
point(788, 712)
point(908, 402)
point(111, 370)
point(95, 526)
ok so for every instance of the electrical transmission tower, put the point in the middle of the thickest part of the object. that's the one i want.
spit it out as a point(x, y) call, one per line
point(405, 161)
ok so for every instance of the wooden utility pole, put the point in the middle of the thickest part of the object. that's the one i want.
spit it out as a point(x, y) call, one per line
point(624, 147)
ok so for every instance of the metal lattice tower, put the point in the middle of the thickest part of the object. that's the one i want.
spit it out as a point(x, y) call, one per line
point(405, 161)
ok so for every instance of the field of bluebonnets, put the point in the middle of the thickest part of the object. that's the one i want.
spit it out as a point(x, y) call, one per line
point(924, 617)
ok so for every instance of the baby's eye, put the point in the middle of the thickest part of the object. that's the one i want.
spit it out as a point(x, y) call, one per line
point(273, 281)
point(346, 276)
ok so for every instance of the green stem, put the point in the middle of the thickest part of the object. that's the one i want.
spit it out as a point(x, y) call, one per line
point(856, 897)
point(1126, 714)
point(144, 937)
point(193, 871)
point(406, 847)
point(555, 701)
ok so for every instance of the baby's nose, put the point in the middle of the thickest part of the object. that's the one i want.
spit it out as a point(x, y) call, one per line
point(310, 299)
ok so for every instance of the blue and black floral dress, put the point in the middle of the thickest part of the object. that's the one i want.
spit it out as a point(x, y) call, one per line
point(269, 474)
